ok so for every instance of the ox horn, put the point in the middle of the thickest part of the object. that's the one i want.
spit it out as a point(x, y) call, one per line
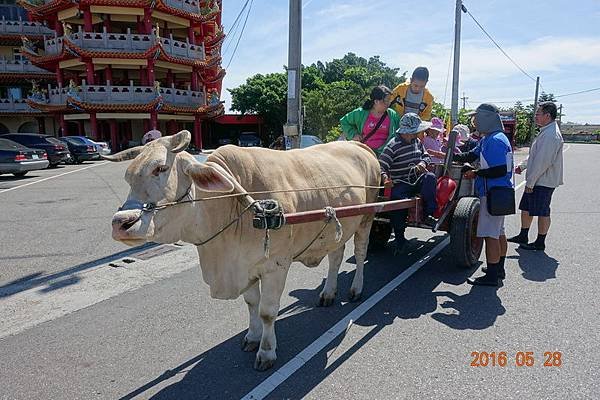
point(177, 142)
point(124, 155)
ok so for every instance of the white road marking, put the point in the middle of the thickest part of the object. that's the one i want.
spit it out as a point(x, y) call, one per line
point(67, 294)
point(278, 377)
point(52, 177)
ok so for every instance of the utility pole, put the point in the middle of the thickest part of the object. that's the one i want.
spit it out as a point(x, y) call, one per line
point(293, 127)
point(464, 100)
point(560, 115)
point(535, 103)
point(455, 71)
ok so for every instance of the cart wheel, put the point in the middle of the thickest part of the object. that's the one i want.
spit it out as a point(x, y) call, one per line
point(465, 246)
point(379, 235)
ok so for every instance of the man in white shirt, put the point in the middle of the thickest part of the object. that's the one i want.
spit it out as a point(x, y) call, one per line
point(544, 173)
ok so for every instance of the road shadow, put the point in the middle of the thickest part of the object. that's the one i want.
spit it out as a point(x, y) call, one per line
point(63, 278)
point(12, 178)
point(209, 374)
point(537, 266)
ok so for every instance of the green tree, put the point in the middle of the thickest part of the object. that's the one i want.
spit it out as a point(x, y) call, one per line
point(329, 90)
point(325, 106)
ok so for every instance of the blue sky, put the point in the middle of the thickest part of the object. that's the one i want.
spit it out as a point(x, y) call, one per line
point(555, 39)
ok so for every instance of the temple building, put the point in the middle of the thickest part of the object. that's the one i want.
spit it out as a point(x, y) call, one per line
point(124, 67)
point(18, 75)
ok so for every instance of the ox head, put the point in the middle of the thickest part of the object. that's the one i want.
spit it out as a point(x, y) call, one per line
point(161, 173)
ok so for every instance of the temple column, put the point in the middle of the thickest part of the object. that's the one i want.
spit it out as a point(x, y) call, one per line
point(172, 127)
point(150, 72)
point(194, 82)
point(57, 27)
point(147, 21)
point(108, 75)
point(63, 125)
point(60, 77)
point(94, 127)
point(198, 132)
point(143, 80)
point(106, 22)
point(191, 35)
point(169, 78)
point(114, 140)
point(89, 70)
point(87, 20)
point(153, 119)
point(41, 125)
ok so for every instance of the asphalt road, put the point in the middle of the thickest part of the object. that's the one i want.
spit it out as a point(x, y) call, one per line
point(75, 327)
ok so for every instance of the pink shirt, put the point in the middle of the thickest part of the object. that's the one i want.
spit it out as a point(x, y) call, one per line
point(433, 144)
point(379, 138)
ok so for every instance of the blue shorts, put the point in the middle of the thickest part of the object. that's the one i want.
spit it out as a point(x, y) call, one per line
point(537, 203)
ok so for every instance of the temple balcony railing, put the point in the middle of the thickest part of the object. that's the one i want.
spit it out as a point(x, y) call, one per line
point(125, 42)
point(108, 94)
point(191, 6)
point(20, 27)
point(15, 105)
point(20, 66)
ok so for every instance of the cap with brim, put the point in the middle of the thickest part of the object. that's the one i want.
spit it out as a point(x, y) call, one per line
point(484, 107)
point(411, 124)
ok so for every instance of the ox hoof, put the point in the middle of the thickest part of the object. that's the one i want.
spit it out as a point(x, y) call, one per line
point(354, 296)
point(326, 300)
point(263, 362)
point(248, 345)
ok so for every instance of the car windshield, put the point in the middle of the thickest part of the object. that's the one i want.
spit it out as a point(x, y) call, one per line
point(74, 140)
point(53, 140)
point(6, 144)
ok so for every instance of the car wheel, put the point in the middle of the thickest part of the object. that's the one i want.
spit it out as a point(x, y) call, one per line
point(20, 174)
point(53, 165)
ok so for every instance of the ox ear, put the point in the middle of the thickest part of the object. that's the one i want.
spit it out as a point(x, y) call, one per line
point(177, 142)
point(209, 179)
point(128, 154)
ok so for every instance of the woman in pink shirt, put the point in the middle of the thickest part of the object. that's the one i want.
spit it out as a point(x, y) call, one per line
point(373, 124)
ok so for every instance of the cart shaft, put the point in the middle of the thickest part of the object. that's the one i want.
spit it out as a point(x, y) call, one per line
point(351, 211)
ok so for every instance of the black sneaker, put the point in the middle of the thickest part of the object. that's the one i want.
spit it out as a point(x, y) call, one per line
point(429, 221)
point(517, 239)
point(485, 280)
point(533, 246)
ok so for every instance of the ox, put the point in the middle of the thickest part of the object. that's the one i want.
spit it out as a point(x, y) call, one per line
point(234, 262)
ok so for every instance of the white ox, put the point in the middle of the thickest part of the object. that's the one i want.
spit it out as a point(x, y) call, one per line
point(234, 262)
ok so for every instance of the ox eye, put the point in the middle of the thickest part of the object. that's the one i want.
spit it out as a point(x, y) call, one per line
point(159, 169)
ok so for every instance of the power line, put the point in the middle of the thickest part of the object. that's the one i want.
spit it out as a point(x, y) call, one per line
point(231, 34)
point(241, 34)
point(583, 91)
point(500, 48)
point(530, 100)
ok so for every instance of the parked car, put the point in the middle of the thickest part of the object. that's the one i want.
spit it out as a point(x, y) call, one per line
point(305, 141)
point(80, 149)
point(103, 148)
point(224, 141)
point(18, 160)
point(249, 139)
point(56, 150)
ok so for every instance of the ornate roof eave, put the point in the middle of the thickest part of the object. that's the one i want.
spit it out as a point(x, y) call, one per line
point(220, 75)
point(24, 113)
point(46, 107)
point(70, 50)
point(16, 76)
point(76, 105)
point(216, 41)
point(202, 110)
point(53, 6)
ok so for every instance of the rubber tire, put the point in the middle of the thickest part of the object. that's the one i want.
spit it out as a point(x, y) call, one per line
point(380, 235)
point(463, 229)
point(20, 174)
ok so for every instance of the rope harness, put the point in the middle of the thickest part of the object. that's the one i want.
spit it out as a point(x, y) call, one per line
point(268, 214)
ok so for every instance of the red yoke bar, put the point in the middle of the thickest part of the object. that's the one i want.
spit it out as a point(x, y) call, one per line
point(351, 211)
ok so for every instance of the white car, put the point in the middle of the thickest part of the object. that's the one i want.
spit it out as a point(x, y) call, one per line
point(305, 141)
point(102, 147)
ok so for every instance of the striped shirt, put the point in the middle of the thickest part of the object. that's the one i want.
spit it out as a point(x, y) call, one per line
point(398, 158)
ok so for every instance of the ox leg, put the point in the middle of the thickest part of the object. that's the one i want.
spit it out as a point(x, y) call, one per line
point(361, 243)
point(327, 295)
point(271, 285)
point(252, 338)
